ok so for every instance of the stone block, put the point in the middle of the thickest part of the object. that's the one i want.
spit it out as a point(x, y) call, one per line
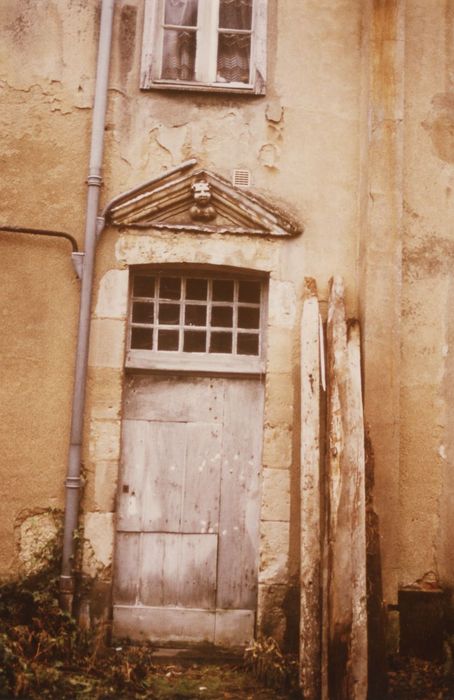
point(104, 393)
point(279, 350)
point(279, 397)
point(107, 339)
point(277, 446)
point(98, 543)
point(271, 620)
point(112, 299)
point(276, 495)
point(281, 304)
point(104, 440)
point(105, 486)
point(274, 549)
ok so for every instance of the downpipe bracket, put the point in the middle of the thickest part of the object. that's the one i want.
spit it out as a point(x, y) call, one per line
point(78, 263)
point(73, 482)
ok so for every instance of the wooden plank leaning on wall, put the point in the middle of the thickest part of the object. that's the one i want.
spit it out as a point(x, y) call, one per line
point(333, 576)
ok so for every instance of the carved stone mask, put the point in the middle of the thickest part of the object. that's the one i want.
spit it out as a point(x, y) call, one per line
point(201, 191)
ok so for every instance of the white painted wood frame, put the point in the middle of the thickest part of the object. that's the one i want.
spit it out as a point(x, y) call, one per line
point(206, 50)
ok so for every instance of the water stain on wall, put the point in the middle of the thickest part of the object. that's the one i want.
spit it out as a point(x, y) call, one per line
point(127, 37)
point(439, 125)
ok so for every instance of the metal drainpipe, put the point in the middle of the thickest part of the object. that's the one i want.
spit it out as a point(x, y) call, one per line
point(73, 481)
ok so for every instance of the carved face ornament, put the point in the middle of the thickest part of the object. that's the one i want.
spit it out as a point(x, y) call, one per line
point(202, 210)
point(201, 191)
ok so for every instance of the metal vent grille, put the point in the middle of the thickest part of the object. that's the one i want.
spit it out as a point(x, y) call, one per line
point(241, 178)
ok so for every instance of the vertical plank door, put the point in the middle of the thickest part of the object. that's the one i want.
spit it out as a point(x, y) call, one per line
point(188, 510)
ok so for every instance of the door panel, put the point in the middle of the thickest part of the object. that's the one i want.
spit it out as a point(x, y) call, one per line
point(163, 476)
point(178, 570)
point(239, 524)
point(165, 625)
point(200, 512)
point(155, 397)
point(188, 510)
point(126, 581)
point(134, 460)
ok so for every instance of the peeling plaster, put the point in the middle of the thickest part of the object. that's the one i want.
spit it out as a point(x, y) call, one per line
point(269, 155)
point(35, 532)
point(439, 124)
point(274, 112)
point(173, 140)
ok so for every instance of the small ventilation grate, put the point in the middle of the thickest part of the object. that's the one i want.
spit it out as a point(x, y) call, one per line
point(241, 178)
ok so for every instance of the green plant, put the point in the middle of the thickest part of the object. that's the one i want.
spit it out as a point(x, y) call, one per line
point(266, 661)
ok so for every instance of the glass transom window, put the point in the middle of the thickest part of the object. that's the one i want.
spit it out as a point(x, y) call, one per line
point(196, 320)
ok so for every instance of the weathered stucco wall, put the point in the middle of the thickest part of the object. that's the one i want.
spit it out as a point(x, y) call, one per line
point(308, 146)
point(46, 80)
point(427, 458)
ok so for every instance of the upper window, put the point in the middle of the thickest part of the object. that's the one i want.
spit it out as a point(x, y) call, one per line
point(205, 45)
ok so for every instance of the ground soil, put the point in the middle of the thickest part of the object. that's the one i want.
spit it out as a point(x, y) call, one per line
point(416, 679)
point(214, 682)
point(409, 679)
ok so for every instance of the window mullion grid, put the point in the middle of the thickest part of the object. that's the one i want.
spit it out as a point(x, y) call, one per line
point(242, 32)
point(214, 39)
point(208, 321)
point(261, 324)
point(155, 315)
point(182, 314)
point(131, 308)
point(207, 38)
point(159, 38)
point(235, 317)
point(252, 57)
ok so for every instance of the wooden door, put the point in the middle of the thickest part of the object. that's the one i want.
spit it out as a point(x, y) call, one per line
point(188, 510)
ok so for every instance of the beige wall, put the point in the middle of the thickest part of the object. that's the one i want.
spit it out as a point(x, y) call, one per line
point(427, 485)
point(354, 137)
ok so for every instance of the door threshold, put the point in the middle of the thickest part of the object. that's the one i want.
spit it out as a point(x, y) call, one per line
point(199, 654)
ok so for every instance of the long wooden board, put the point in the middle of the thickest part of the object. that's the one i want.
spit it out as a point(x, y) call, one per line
point(310, 621)
point(347, 619)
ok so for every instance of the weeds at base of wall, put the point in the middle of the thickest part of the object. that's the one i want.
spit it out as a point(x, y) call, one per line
point(36, 637)
point(44, 653)
point(273, 668)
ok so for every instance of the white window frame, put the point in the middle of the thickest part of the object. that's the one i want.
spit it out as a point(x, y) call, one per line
point(201, 362)
point(206, 50)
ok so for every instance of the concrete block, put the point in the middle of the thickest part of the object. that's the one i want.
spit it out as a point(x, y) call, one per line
point(279, 396)
point(98, 543)
point(274, 550)
point(277, 446)
point(104, 440)
point(107, 339)
point(276, 495)
point(112, 299)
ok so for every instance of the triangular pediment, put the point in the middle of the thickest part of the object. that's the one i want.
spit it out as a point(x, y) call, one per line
point(198, 201)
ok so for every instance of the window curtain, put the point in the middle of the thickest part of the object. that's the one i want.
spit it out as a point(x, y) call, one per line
point(178, 60)
point(234, 50)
